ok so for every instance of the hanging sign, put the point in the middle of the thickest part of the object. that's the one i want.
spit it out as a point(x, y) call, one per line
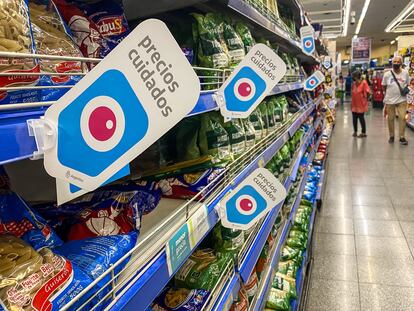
point(307, 36)
point(327, 62)
point(251, 200)
point(314, 81)
point(128, 101)
point(253, 78)
point(361, 50)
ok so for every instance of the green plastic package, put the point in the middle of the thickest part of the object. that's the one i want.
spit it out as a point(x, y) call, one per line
point(257, 121)
point(213, 139)
point(289, 253)
point(250, 133)
point(279, 164)
point(270, 104)
point(228, 240)
point(286, 284)
point(234, 43)
point(278, 300)
point(278, 111)
point(265, 118)
point(285, 152)
point(186, 139)
point(202, 270)
point(237, 136)
point(245, 35)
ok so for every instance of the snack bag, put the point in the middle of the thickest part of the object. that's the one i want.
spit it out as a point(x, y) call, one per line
point(186, 186)
point(180, 299)
point(202, 270)
point(109, 17)
point(85, 33)
point(51, 38)
point(109, 211)
point(278, 300)
point(31, 280)
point(286, 284)
point(16, 36)
point(17, 219)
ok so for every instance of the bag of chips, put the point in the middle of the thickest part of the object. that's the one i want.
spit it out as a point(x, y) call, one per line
point(16, 36)
point(17, 219)
point(278, 300)
point(38, 280)
point(180, 299)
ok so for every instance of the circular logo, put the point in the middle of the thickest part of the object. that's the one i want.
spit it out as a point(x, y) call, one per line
point(102, 123)
point(244, 89)
point(246, 204)
point(312, 82)
point(308, 43)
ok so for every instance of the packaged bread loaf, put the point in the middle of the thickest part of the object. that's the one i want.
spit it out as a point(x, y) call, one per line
point(16, 36)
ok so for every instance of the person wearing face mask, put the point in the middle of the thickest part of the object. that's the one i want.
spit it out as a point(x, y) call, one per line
point(359, 103)
point(394, 83)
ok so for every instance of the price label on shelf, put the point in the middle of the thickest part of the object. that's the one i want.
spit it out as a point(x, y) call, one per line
point(314, 81)
point(251, 200)
point(128, 101)
point(307, 36)
point(183, 242)
point(253, 78)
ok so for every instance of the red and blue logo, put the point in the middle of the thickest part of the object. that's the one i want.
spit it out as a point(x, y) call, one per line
point(245, 205)
point(312, 83)
point(243, 90)
point(308, 44)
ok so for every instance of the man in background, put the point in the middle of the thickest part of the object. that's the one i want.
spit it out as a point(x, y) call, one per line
point(393, 81)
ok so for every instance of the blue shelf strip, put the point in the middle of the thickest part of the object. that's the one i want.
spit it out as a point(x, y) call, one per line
point(227, 296)
point(155, 277)
point(16, 144)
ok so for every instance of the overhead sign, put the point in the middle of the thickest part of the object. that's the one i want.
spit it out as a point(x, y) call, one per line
point(251, 200)
point(254, 77)
point(307, 36)
point(361, 50)
point(327, 62)
point(314, 81)
point(128, 101)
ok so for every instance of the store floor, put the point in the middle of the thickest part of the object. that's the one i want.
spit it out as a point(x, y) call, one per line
point(364, 240)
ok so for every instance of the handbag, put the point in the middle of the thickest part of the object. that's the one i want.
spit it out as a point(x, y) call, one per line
point(403, 91)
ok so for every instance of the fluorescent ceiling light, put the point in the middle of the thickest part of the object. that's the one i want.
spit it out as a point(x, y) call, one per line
point(362, 16)
point(393, 41)
point(346, 61)
point(347, 10)
point(375, 60)
point(398, 38)
point(404, 14)
point(355, 36)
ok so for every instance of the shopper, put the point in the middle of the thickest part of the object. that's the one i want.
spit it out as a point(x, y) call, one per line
point(395, 84)
point(359, 103)
point(340, 92)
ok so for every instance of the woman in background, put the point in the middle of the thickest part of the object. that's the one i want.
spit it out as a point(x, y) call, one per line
point(359, 105)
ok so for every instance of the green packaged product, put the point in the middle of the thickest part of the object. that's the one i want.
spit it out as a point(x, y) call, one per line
point(237, 137)
point(288, 268)
point(270, 105)
point(271, 165)
point(213, 139)
point(186, 139)
point(289, 253)
point(210, 46)
point(284, 104)
point(306, 202)
point(286, 156)
point(202, 270)
point(278, 111)
point(279, 164)
point(228, 240)
point(265, 118)
point(285, 283)
point(256, 119)
point(234, 43)
point(245, 35)
point(295, 243)
point(278, 300)
point(250, 133)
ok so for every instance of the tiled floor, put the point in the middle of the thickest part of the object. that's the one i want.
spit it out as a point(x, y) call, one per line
point(364, 239)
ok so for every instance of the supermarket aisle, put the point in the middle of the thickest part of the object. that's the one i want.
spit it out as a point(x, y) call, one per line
point(364, 242)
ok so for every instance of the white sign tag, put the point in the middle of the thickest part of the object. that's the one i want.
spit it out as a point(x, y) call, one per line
point(128, 101)
point(253, 78)
point(259, 193)
point(314, 81)
point(307, 35)
point(327, 62)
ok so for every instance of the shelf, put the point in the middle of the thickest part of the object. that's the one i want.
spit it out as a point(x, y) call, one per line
point(264, 286)
point(16, 144)
point(227, 296)
point(250, 258)
point(152, 278)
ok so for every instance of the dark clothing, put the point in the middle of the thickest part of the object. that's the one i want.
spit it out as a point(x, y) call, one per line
point(359, 116)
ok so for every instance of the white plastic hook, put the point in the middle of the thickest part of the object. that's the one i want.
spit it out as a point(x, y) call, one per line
point(44, 133)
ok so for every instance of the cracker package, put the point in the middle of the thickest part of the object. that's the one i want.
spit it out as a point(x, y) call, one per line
point(180, 299)
point(16, 36)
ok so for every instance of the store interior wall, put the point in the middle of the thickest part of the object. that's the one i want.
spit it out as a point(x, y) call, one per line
point(378, 51)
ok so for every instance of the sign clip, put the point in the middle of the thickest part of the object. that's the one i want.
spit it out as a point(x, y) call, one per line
point(45, 136)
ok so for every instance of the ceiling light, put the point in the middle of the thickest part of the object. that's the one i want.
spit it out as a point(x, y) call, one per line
point(362, 16)
point(347, 9)
point(346, 61)
point(375, 59)
point(398, 38)
point(355, 36)
point(404, 14)
point(393, 41)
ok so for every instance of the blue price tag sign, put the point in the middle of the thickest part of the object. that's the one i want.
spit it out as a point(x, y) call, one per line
point(178, 248)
